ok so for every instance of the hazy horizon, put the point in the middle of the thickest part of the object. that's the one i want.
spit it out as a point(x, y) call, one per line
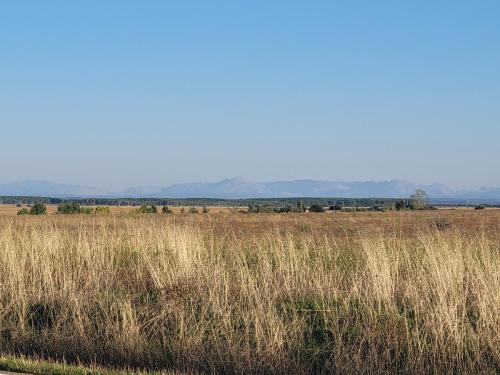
point(120, 93)
point(242, 178)
point(239, 188)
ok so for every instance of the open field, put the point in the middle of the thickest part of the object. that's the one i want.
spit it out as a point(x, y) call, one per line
point(256, 293)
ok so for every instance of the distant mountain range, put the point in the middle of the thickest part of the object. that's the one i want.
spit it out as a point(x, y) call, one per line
point(48, 189)
point(239, 188)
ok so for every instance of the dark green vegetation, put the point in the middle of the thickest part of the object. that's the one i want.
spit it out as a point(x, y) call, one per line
point(277, 202)
point(36, 209)
point(283, 205)
point(166, 210)
point(147, 209)
point(316, 208)
point(281, 202)
point(73, 208)
point(43, 367)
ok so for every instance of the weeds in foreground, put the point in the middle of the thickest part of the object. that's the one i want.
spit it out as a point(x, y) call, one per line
point(144, 292)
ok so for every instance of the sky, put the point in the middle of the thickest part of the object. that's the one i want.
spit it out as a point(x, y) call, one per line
point(131, 93)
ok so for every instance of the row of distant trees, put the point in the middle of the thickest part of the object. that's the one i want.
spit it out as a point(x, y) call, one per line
point(152, 209)
point(418, 201)
point(199, 202)
point(64, 208)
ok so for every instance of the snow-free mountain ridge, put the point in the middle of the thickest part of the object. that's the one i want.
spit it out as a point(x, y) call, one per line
point(239, 188)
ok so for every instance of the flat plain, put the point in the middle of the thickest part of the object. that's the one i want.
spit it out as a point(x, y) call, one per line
point(232, 292)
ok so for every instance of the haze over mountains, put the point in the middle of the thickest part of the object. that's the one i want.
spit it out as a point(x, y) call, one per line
point(239, 188)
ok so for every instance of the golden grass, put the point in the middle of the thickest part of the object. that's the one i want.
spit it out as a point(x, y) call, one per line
point(348, 293)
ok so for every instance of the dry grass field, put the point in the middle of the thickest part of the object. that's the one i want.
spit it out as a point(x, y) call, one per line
point(227, 292)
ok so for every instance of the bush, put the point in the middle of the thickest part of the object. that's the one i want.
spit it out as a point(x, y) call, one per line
point(166, 210)
point(193, 210)
point(205, 210)
point(145, 209)
point(335, 207)
point(68, 208)
point(377, 208)
point(23, 211)
point(400, 205)
point(71, 208)
point(282, 209)
point(316, 208)
point(86, 210)
point(479, 207)
point(300, 208)
point(38, 209)
point(269, 208)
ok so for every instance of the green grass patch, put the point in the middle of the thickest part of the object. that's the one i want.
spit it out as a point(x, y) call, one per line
point(46, 367)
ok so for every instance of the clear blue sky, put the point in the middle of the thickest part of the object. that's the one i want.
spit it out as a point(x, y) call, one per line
point(126, 93)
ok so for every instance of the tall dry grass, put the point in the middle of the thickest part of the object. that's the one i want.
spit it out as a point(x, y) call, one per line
point(154, 293)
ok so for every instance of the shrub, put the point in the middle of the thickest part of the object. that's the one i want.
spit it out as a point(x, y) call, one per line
point(38, 209)
point(193, 210)
point(205, 210)
point(400, 205)
point(23, 211)
point(166, 210)
point(300, 207)
point(316, 208)
point(282, 209)
point(86, 210)
point(335, 207)
point(183, 210)
point(147, 209)
point(479, 207)
point(68, 208)
point(267, 209)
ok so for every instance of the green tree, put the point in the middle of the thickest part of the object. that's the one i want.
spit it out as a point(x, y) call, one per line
point(23, 211)
point(68, 208)
point(400, 205)
point(301, 207)
point(38, 209)
point(147, 209)
point(316, 208)
point(419, 199)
